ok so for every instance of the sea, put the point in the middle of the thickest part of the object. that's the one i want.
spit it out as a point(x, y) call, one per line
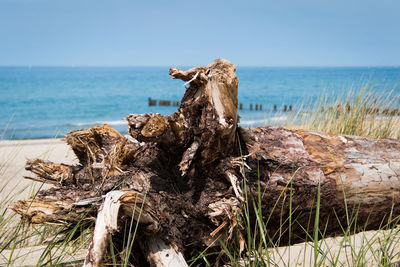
point(48, 102)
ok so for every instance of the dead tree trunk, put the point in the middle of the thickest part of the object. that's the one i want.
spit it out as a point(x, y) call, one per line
point(185, 177)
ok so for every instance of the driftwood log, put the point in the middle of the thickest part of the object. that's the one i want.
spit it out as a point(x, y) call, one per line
point(185, 178)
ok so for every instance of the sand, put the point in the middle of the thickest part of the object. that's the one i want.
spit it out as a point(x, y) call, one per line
point(13, 155)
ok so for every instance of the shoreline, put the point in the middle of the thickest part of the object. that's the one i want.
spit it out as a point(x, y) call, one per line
point(32, 141)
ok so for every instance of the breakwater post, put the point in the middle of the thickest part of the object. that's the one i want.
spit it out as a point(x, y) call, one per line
point(256, 107)
point(164, 102)
point(152, 102)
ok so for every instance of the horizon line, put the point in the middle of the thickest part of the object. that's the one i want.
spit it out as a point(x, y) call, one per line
point(170, 66)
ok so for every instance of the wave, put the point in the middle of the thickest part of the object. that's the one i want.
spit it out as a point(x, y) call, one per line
point(113, 123)
point(279, 118)
point(250, 122)
point(264, 121)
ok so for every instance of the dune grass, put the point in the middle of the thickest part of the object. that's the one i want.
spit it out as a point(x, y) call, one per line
point(353, 248)
point(20, 242)
point(353, 113)
point(361, 111)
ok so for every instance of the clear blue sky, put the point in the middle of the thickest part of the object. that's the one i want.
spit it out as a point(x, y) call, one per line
point(177, 32)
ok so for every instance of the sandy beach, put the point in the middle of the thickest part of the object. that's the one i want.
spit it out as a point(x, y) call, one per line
point(13, 155)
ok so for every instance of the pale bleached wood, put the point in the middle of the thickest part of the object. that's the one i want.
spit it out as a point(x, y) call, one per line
point(115, 204)
point(160, 254)
point(106, 224)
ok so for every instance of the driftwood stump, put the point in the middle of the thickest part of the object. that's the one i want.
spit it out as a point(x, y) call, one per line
point(185, 178)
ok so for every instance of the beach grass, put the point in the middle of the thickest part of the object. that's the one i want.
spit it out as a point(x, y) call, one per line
point(353, 248)
point(361, 112)
point(21, 242)
point(358, 111)
point(380, 247)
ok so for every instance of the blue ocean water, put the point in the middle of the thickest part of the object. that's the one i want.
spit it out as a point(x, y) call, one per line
point(41, 102)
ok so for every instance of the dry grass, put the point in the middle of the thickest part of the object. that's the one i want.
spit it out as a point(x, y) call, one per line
point(361, 112)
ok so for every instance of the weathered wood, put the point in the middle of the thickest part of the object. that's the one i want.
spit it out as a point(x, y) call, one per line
point(106, 224)
point(207, 115)
point(116, 203)
point(192, 172)
point(49, 172)
point(160, 254)
point(357, 172)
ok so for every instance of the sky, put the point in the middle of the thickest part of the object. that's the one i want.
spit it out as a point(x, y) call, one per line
point(185, 33)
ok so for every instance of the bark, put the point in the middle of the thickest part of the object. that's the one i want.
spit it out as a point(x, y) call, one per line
point(355, 173)
point(189, 174)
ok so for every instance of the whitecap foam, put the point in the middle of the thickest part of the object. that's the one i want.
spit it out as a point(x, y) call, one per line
point(250, 122)
point(264, 121)
point(279, 118)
